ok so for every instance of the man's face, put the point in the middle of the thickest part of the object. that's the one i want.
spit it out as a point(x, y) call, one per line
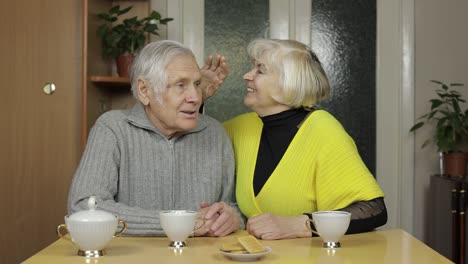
point(176, 110)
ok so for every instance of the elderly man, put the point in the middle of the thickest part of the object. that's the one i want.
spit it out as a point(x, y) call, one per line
point(162, 154)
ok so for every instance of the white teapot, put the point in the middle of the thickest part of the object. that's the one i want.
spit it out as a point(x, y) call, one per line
point(91, 230)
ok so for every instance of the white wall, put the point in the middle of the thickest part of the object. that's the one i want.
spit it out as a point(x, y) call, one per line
point(441, 38)
point(161, 7)
point(394, 101)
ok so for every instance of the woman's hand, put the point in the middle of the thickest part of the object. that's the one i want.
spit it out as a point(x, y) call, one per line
point(221, 219)
point(214, 72)
point(269, 226)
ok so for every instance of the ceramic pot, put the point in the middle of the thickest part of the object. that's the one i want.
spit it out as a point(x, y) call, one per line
point(455, 164)
point(124, 62)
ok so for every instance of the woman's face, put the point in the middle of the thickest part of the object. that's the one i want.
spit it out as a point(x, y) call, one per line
point(262, 86)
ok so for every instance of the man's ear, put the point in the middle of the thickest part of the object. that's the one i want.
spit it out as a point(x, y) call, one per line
point(144, 92)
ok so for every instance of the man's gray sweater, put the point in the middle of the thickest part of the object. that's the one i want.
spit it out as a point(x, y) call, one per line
point(135, 171)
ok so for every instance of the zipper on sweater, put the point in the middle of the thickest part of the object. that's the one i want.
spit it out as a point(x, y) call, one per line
point(173, 192)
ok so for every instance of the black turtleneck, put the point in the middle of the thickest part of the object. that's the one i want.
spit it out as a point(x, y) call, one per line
point(278, 132)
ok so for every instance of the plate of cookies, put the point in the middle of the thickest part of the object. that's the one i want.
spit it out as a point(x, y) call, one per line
point(246, 248)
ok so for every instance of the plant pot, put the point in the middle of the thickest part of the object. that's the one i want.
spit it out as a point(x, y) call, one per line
point(455, 164)
point(124, 62)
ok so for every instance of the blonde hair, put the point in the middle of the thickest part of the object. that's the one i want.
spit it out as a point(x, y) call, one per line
point(303, 82)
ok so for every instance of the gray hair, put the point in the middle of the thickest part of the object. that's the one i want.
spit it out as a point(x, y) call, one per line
point(151, 63)
point(303, 81)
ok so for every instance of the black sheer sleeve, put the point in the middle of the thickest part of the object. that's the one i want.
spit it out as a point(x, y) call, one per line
point(366, 215)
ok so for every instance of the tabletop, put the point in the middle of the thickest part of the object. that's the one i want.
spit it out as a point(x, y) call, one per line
point(384, 246)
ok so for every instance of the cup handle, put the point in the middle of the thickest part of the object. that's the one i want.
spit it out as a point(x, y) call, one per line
point(307, 223)
point(201, 219)
point(59, 233)
point(124, 227)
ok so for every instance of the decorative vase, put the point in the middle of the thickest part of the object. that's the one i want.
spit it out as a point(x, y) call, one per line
point(455, 164)
point(124, 62)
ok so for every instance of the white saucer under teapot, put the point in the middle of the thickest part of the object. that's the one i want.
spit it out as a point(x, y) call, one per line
point(91, 230)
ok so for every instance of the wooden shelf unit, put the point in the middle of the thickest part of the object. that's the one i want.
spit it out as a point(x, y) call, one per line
point(102, 90)
point(111, 81)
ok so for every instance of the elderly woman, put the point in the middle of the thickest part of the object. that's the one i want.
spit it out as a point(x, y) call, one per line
point(161, 154)
point(291, 157)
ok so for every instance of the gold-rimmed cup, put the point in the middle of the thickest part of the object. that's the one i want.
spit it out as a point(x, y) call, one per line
point(331, 226)
point(178, 225)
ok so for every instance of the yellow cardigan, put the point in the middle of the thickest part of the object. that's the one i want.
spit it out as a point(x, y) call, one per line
point(320, 170)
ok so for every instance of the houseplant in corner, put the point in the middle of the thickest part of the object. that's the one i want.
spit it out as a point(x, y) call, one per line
point(122, 39)
point(451, 127)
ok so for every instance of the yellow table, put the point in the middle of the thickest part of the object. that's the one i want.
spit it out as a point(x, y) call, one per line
point(388, 246)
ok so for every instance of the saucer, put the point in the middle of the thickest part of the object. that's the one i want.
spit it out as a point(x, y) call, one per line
point(246, 256)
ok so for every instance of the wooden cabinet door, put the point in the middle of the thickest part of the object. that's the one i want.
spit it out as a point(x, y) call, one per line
point(41, 41)
point(447, 218)
point(440, 218)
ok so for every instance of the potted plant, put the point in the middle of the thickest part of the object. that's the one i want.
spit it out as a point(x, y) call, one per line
point(451, 132)
point(121, 40)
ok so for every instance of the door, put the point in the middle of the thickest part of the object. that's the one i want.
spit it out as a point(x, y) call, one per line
point(40, 134)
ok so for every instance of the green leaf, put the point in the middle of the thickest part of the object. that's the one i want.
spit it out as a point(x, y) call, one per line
point(455, 94)
point(104, 16)
point(438, 82)
point(150, 27)
point(131, 21)
point(165, 20)
point(435, 103)
point(441, 122)
point(432, 114)
point(416, 126)
point(114, 10)
point(102, 30)
point(155, 15)
point(123, 11)
point(425, 143)
point(455, 105)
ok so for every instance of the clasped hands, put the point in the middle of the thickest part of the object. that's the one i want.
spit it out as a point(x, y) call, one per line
point(220, 219)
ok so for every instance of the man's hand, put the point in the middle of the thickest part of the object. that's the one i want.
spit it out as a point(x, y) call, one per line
point(221, 219)
point(269, 226)
point(204, 230)
point(214, 72)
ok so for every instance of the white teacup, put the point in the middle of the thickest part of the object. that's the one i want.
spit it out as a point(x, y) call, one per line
point(178, 225)
point(331, 226)
point(91, 230)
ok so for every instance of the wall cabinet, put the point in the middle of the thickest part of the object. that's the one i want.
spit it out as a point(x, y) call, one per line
point(103, 90)
point(447, 229)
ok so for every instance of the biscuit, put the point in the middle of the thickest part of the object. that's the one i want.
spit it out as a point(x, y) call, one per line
point(230, 247)
point(251, 244)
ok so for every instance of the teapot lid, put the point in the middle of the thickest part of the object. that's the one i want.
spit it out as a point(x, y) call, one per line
point(92, 214)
